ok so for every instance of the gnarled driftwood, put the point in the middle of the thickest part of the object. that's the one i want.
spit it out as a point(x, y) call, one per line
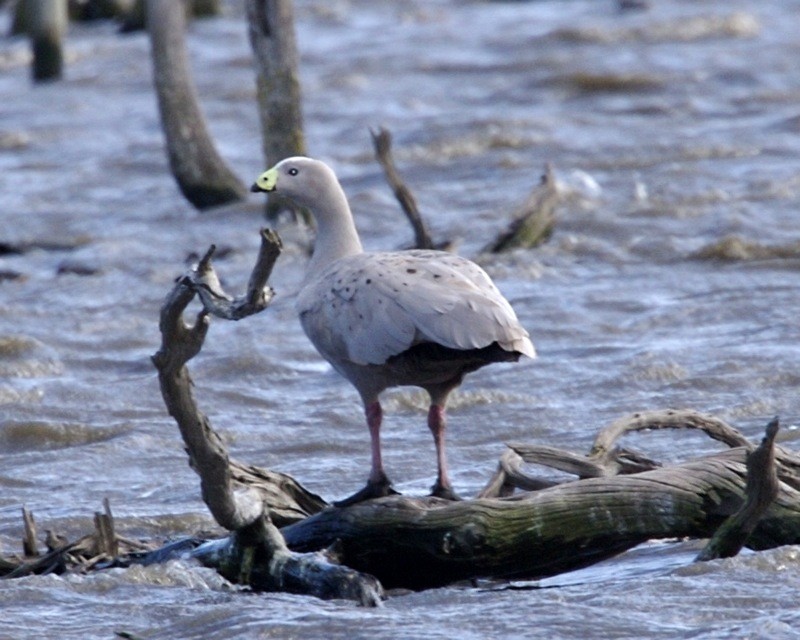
point(620, 500)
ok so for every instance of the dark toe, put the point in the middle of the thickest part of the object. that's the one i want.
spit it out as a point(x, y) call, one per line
point(446, 493)
point(369, 492)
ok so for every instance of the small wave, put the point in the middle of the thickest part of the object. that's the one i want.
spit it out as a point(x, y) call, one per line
point(177, 573)
point(736, 248)
point(37, 436)
point(772, 561)
point(695, 28)
point(25, 357)
point(663, 373)
point(418, 399)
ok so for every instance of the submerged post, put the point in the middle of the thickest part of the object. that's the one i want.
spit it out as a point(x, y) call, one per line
point(47, 23)
point(272, 38)
point(202, 175)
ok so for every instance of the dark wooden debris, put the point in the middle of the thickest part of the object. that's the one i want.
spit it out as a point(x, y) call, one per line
point(762, 489)
point(534, 221)
point(382, 141)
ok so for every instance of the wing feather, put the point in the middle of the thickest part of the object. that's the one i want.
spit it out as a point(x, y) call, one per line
point(369, 307)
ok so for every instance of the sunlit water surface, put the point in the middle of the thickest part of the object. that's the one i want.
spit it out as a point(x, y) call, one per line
point(670, 129)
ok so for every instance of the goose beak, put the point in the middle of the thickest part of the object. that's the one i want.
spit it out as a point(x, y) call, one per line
point(266, 182)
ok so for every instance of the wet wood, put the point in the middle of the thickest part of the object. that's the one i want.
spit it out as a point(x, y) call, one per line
point(107, 543)
point(99, 549)
point(46, 24)
point(534, 221)
point(762, 489)
point(202, 175)
point(274, 44)
point(382, 141)
point(255, 554)
point(424, 542)
point(30, 546)
point(234, 505)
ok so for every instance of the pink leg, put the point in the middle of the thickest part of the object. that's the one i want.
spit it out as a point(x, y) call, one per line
point(378, 485)
point(437, 424)
point(374, 419)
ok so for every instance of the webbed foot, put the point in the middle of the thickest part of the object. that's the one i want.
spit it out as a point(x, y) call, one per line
point(445, 492)
point(379, 489)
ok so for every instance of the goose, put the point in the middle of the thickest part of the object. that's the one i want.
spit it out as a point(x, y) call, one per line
point(400, 318)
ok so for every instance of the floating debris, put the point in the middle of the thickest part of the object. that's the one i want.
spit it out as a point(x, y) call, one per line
point(735, 248)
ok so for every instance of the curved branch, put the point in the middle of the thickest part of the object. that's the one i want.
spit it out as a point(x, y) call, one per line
point(258, 294)
point(382, 141)
point(236, 495)
point(762, 489)
point(667, 419)
point(241, 498)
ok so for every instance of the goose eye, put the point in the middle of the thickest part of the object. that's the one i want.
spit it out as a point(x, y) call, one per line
point(293, 171)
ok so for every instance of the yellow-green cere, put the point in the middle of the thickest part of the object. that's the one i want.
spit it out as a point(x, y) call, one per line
point(267, 180)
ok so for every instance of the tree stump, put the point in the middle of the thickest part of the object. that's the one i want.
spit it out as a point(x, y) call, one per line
point(274, 45)
point(202, 175)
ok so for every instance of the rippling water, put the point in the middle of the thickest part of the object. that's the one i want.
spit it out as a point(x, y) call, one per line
point(670, 282)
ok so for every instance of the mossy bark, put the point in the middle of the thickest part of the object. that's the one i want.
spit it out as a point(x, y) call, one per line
point(427, 543)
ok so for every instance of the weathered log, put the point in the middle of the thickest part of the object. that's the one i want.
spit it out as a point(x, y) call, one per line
point(255, 554)
point(420, 543)
point(107, 543)
point(274, 45)
point(30, 547)
point(243, 558)
point(201, 173)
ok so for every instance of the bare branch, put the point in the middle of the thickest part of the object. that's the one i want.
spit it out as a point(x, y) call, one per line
point(383, 152)
point(667, 419)
point(761, 491)
point(258, 294)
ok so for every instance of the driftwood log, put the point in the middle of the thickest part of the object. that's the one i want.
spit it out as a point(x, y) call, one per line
point(256, 553)
point(621, 498)
point(533, 222)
